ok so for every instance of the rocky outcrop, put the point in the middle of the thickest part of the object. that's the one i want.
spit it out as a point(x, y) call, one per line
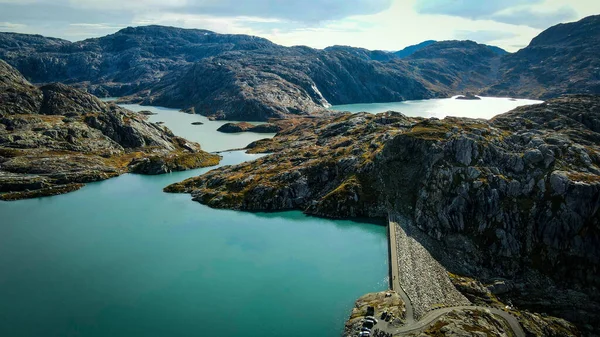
point(514, 198)
point(386, 306)
point(55, 138)
point(247, 127)
point(160, 164)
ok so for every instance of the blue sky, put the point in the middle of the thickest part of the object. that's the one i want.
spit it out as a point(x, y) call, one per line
point(373, 24)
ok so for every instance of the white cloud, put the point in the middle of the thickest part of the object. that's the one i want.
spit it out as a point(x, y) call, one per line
point(9, 26)
point(474, 9)
point(532, 17)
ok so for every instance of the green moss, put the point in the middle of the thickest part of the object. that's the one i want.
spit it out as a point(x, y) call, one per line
point(428, 131)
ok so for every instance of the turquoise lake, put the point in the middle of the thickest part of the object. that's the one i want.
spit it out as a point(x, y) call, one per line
point(122, 258)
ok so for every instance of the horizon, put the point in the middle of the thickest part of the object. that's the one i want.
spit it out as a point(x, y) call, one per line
point(372, 25)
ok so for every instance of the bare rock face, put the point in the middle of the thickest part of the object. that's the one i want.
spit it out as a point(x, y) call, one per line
point(55, 138)
point(16, 94)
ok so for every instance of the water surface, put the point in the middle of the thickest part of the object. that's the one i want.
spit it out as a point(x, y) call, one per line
point(487, 107)
point(122, 258)
point(211, 140)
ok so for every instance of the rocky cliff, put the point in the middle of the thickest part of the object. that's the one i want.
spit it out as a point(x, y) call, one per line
point(55, 138)
point(515, 198)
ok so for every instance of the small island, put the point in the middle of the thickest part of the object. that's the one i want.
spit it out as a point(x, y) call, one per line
point(247, 127)
point(469, 97)
point(147, 113)
point(197, 123)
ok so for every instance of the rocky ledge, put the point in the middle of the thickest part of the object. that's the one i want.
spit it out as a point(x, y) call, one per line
point(247, 127)
point(53, 139)
point(513, 198)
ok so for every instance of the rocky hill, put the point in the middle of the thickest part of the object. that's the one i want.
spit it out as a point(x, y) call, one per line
point(514, 198)
point(253, 85)
point(414, 48)
point(118, 64)
point(562, 59)
point(248, 78)
point(55, 138)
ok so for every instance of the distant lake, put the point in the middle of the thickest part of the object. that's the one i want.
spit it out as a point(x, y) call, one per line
point(487, 107)
point(211, 140)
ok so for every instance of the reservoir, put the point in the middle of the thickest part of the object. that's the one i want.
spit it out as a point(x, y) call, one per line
point(122, 258)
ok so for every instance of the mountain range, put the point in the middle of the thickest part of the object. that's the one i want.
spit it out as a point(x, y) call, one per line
point(249, 78)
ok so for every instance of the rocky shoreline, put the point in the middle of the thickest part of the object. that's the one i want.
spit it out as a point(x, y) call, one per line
point(55, 138)
point(247, 127)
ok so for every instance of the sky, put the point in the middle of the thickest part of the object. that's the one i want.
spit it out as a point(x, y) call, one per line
point(373, 24)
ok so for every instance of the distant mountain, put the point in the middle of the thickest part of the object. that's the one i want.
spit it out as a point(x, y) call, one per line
point(408, 51)
point(497, 50)
point(562, 59)
point(412, 49)
point(250, 78)
point(124, 62)
point(374, 55)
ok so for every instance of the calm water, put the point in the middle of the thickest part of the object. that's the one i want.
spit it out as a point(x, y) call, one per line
point(122, 258)
point(487, 107)
point(211, 140)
